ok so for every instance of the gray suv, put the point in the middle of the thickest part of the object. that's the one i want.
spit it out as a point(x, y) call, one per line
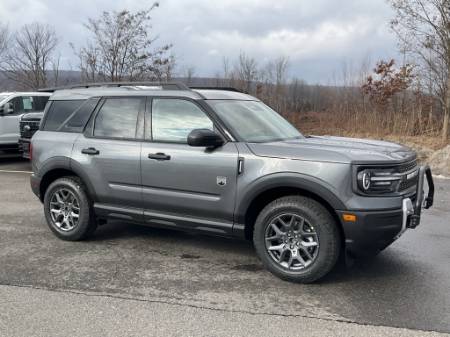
point(221, 162)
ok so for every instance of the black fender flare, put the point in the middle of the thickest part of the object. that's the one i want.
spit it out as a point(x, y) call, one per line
point(65, 163)
point(304, 182)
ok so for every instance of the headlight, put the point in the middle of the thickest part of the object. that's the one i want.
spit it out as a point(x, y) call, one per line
point(378, 180)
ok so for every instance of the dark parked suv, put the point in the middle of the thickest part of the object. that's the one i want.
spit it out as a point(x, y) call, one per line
point(221, 162)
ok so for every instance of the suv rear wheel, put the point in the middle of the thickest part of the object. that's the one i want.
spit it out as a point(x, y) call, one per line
point(68, 209)
point(297, 239)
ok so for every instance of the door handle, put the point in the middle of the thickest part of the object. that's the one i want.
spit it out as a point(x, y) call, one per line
point(159, 156)
point(91, 150)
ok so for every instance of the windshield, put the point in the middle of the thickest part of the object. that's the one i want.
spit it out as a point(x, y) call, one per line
point(3, 96)
point(254, 122)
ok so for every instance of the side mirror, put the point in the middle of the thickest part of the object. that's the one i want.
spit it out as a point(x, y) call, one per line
point(204, 138)
point(6, 109)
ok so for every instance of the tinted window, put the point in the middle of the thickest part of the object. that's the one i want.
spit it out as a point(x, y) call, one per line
point(117, 118)
point(39, 102)
point(23, 104)
point(174, 119)
point(79, 118)
point(58, 112)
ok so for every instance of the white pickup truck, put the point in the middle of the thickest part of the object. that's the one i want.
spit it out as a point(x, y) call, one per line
point(12, 106)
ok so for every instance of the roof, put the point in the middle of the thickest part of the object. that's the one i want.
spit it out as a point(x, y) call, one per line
point(85, 93)
point(82, 92)
point(224, 94)
point(33, 93)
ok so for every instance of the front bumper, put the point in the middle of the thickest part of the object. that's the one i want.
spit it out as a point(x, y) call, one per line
point(375, 230)
point(24, 147)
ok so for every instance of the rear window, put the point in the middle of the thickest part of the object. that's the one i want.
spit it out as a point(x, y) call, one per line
point(39, 102)
point(58, 112)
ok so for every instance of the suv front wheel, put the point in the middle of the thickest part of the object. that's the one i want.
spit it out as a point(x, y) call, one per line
point(297, 239)
point(68, 209)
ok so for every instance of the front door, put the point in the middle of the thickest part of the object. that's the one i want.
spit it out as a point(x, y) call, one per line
point(9, 122)
point(186, 186)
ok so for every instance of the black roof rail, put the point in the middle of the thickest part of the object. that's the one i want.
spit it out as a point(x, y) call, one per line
point(215, 88)
point(163, 85)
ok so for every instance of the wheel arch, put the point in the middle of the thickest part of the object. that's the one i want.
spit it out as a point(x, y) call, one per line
point(276, 186)
point(58, 168)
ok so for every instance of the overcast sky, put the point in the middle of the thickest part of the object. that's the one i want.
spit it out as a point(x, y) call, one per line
point(318, 36)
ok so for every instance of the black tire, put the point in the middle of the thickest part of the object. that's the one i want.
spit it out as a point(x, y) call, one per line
point(86, 222)
point(324, 225)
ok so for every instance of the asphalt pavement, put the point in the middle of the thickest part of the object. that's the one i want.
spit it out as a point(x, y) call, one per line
point(126, 273)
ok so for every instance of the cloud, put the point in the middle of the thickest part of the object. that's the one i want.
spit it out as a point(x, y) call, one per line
point(316, 35)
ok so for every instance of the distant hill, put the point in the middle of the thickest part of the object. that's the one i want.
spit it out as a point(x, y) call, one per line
point(64, 77)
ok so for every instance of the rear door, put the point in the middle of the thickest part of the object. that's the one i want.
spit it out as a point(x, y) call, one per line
point(109, 154)
point(186, 186)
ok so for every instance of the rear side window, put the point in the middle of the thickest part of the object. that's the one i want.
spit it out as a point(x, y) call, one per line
point(58, 112)
point(118, 118)
point(77, 121)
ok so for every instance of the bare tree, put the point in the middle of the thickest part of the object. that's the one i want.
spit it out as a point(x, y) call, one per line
point(29, 59)
point(188, 73)
point(167, 69)
point(246, 71)
point(281, 66)
point(226, 72)
point(4, 40)
point(89, 62)
point(122, 48)
point(272, 82)
point(423, 28)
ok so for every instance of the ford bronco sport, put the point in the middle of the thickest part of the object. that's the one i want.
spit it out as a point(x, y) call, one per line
point(221, 162)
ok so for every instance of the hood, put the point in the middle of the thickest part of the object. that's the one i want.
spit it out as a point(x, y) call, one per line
point(33, 116)
point(335, 149)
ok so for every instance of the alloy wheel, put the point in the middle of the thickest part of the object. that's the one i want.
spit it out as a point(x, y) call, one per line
point(64, 209)
point(291, 241)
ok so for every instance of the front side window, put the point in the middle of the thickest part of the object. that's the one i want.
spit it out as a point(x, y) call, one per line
point(58, 112)
point(253, 121)
point(174, 119)
point(117, 118)
point(24, 104)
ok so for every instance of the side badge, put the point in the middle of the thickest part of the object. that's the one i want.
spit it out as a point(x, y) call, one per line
point(221, 181)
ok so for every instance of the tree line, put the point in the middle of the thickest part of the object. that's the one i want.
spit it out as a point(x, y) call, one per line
point(410, 97)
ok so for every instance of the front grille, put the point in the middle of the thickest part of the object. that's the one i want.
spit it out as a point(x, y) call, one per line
point(28, 128)
point(406, 184)
point(407, 167)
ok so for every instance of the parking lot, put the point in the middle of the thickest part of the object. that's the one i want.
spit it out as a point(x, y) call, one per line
point(406, 286)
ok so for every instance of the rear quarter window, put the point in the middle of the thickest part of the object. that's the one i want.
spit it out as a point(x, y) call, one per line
point(58, 112)
point(78, 119)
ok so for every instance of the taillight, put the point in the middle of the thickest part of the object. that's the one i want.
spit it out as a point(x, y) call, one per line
point(30, 151)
